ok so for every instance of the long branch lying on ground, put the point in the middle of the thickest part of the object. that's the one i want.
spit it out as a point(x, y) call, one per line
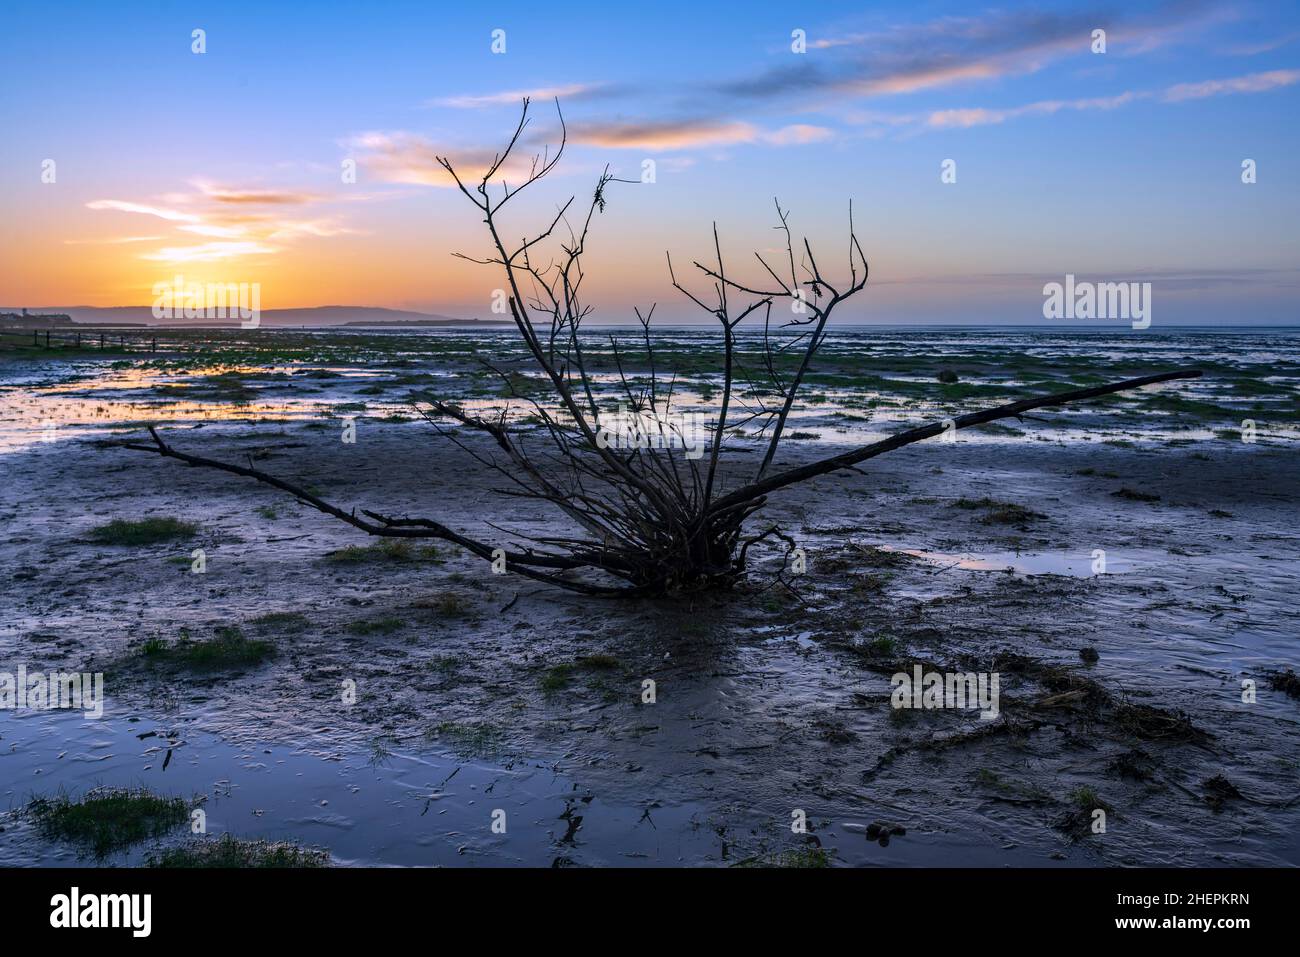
point(529, 561)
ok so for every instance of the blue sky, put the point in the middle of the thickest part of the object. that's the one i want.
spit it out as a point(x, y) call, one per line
point(1114, 166)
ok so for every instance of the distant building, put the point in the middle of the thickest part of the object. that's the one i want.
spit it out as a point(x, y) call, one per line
point(35, 319)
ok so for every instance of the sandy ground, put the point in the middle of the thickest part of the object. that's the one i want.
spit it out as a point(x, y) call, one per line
point(766, 703)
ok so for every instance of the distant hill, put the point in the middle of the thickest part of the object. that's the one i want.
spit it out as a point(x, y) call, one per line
point(311, 316)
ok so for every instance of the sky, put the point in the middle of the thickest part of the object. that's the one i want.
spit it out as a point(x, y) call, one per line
point(128, 159)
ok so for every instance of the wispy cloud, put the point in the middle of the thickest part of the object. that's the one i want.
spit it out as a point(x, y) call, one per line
point(121, 206)
point(1254, 83)
point(979, 116)
point(678, 134)
point(797, 134)
point(962, 118)
point(255, 197)
point(1263, 46)
point(402, 157)
point(212, 229)
point(923, 56)
point(957, 50)
point(208, 252)
point(112, 241)
point(655, 135)
point(570, 92)
point(239, 221)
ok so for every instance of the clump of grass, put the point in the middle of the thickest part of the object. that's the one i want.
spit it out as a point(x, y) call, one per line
point(108, 819)
point(988, 779)
point(281, 621)
point(886, 557)
point(799, 436)
point(599, 662)
point(231, 852)
point(375, 626)
point(153, 647)
point(948, 377)
point(267, 511)
point(1085, 798)
point(883, 646)
point(870, 584)
point(1000, 513)
point(228, 649)
point(446, 664)
point(803, 857)
point(469, 740)
point(1288, 682)
point(145, 531)
point(556, 678)
point(1135, 496)
point(449, 604)
point(386, 550)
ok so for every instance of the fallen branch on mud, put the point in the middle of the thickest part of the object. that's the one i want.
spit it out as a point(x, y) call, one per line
point(528, 562)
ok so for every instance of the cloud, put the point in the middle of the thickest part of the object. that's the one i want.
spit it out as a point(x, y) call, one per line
point(288, 229)
point(125, 207)
point(111, 241)
point(230, 217)
point(952, 50)
point(955, 50)
point(1263, 46)
point(1253, 83)
point(679, 134)
point(402, 157)
point(253, 197)
point(965, 118)
point(657, 135)
point(570, 92)
point(208, 252)
point(797, 134)
point(211, 229)
point(1181, 92)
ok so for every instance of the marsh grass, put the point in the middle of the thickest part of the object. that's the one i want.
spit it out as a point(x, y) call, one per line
point(479, 739)
point(231, 852)
point(375, 626)
point(883, 646)
point(291, 621)
point(145, 531)
point(108, 819)
point(397, 550)
point(1136, 496)
point(449, 604)
point(1000, 513)
point(228, 649)
point(558, 677)
point(797, 858)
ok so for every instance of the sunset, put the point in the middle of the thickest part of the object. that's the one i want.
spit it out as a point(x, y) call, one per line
point(299, 152)
point(444, 446)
